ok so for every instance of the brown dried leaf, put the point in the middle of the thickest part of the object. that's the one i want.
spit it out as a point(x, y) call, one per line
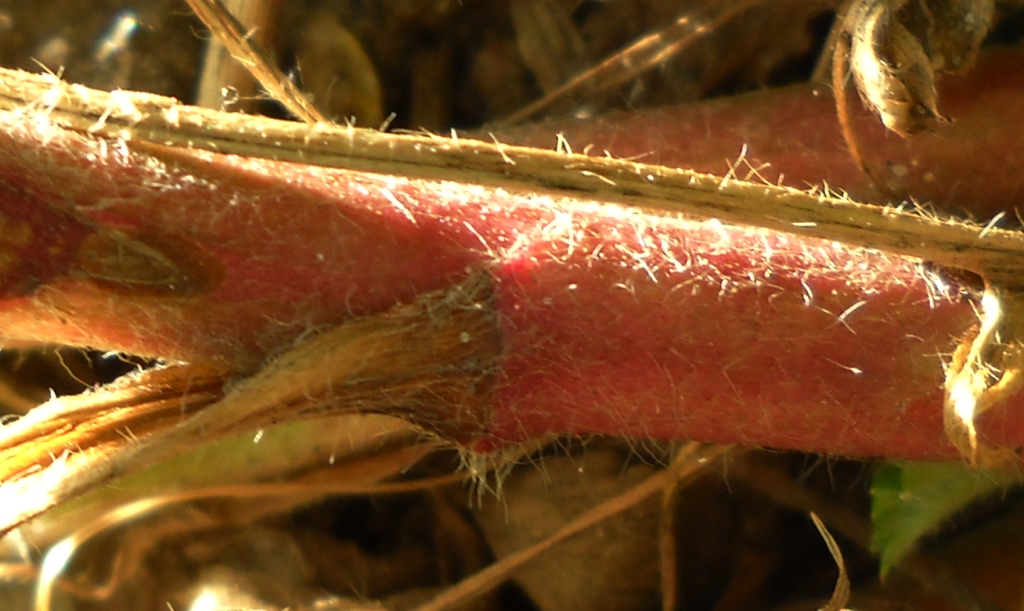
point(614, 567)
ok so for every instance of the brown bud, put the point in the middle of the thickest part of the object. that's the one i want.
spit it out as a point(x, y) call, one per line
point(891, 68)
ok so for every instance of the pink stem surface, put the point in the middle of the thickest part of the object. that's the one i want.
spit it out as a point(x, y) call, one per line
point(614, 321)
point(792, 136)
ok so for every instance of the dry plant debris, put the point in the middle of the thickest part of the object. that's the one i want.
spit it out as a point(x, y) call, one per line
point(893, 49)
point(295, 557)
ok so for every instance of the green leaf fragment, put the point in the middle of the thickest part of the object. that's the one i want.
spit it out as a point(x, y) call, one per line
point(911, 500)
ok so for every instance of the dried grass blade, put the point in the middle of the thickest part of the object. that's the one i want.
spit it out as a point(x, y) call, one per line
point(232, 34)
point(631, 62)
point(223, 74)
point(841, 593)
point(412, 361)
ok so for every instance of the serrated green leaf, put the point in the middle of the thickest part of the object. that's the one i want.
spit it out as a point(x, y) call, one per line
point(911, 500)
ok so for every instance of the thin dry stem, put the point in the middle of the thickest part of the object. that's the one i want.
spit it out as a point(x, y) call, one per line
point(167, 129)
point(220, 70)
point(840, 79)
point(667, 548)
point(650, 51)
point(689, 463)
point(232, 34)
point(841, 593)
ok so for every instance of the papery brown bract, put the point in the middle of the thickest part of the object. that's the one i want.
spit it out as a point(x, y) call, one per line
point(891, 68)
point(896, 47)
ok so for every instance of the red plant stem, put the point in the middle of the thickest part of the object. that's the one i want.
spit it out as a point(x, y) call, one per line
point(613, 321)
point(724, 334)
point(966, 168)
